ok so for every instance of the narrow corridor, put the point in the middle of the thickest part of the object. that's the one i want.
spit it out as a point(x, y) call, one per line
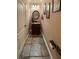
point(38, 29)
point(34, 48)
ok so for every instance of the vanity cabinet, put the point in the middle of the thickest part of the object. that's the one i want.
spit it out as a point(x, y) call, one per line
point(36, 28)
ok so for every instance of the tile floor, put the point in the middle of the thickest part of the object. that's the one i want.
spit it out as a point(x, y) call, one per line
point(34, 48)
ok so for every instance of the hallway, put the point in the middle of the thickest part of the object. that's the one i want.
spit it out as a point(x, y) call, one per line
point(43, 19)
point(34, 48)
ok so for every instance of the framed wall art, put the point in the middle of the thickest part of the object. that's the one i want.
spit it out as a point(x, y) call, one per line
point(56, 5)
point(48, 11)
point(44, 9)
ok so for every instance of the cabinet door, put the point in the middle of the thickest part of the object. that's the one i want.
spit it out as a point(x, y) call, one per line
point(36, 29)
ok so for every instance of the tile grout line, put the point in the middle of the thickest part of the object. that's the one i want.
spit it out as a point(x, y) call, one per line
point(41, 43)
point(30, 47)
point(41, 48)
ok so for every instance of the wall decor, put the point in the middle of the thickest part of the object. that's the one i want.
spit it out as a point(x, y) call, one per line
point(48, 10)
point(56, 5)
point(44, 9)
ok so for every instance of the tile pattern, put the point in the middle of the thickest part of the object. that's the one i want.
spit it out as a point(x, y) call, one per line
point(26, 50)
point(34, 48)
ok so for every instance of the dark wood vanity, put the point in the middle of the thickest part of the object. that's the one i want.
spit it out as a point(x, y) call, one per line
point(36, 28)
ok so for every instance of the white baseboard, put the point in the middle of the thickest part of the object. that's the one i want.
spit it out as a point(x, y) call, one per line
point(51, 57)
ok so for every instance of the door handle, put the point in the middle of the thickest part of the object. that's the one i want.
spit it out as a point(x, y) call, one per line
point(25, 25)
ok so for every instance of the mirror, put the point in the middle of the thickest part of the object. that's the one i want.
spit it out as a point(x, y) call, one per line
point(35, 15)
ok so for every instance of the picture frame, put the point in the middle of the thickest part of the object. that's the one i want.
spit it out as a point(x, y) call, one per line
point(48, 10)
point(56, 5)
point(44, 9)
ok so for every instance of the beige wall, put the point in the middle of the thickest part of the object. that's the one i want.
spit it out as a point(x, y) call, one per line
point(52, 27)
point(56, 19)
point(52, 30)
